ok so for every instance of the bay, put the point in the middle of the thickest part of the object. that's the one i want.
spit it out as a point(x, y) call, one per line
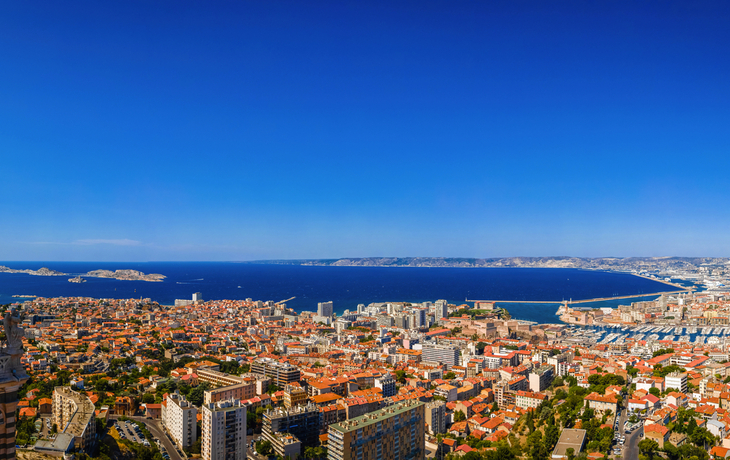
point(345, 286)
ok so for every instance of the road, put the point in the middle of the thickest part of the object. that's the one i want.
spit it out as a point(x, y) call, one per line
point(155, 428)
point(631, 448)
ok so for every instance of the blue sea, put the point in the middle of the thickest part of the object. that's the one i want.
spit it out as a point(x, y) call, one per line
point(345, 286)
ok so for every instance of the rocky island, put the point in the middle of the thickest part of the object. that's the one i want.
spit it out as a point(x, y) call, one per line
point(43, 271)
point(126, 275)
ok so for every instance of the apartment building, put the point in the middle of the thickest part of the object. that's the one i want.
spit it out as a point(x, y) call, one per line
point(73, 415)
point(280, 374)
point(180, 419)
point(396, 432)
point(242, 391)
point(217, 379)
point(436, 417)
point(224, 431)
point(387, 384)
point(294, 395)
point(541, 377)
point(528, 399)
point(301, 421)
point(445, 354)
point(676, 380)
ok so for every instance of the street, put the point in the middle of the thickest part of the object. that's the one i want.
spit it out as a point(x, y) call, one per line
point(155, 428)
point(631, 447)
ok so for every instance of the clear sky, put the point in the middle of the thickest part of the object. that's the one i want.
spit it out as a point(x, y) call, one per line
point(236, 130)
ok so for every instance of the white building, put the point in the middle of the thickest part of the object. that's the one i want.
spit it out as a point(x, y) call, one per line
point(224, 431)
point(677, 381)
point(325, 309)
point(445, 354)
point(442, 309)
point(180, 419)
point(541, 377)
point(387, 384)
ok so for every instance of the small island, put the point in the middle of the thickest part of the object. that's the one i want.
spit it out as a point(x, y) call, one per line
point(43, 271)
point(126, 275)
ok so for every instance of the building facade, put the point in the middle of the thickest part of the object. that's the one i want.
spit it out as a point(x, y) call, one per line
point(224, 431)
point(436, 417)
point(445, 354)
point(393, 433)
point(301, 421)
point(280, 374)
point(387, 384)
point(73, 414)
point(541, 377)
point(180, 418)
point(676, 380)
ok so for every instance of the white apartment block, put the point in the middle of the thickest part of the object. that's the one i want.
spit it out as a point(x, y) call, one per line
point(224, 431)
point(677, 381)
point(180, 419)
point(387, 384)
point(445, 354)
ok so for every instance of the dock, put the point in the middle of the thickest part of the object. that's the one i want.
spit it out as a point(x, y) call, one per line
point(572, 302)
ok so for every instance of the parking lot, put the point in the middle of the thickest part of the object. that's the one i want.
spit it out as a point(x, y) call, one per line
point(130, 431)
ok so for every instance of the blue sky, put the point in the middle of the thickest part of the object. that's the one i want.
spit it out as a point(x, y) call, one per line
point(135, 131)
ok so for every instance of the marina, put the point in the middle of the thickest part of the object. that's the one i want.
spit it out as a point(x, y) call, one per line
point(646, 335)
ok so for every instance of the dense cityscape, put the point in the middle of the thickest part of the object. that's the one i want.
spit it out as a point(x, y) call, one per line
point(229, 379)
point(364, 230)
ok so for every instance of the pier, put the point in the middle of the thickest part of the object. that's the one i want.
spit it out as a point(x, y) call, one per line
point(572, 302)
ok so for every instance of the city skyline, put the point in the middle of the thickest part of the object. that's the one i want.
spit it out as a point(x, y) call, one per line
point(280, 130)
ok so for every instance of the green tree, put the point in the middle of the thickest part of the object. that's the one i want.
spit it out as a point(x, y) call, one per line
point(264, 447)
point(197, 394)
point(459, 416)
point(552, 434)
point(648, 447)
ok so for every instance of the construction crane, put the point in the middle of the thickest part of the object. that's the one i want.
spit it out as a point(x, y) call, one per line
point(284, 301)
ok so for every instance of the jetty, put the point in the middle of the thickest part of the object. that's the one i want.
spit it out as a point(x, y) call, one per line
point(572, 302)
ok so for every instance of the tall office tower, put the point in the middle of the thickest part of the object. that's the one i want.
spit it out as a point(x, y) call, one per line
point(393, 433)
point(325, 309)
point(198, 297)
point(224, 431)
